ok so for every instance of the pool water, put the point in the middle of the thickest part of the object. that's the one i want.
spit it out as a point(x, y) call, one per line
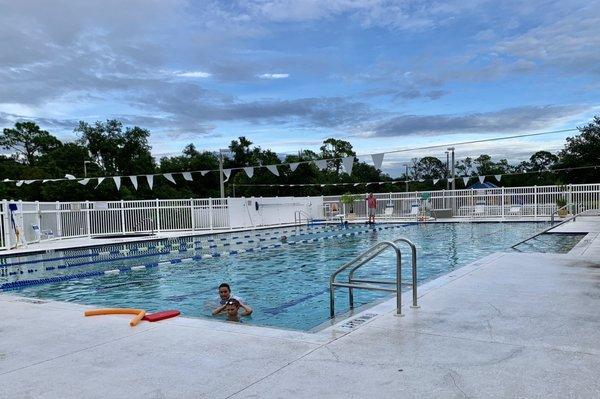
point(285, 283)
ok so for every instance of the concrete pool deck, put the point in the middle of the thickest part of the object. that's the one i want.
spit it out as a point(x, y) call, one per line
point(511, 325)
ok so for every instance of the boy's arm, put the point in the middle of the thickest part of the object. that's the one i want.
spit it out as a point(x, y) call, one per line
point(247, 309)
point(218, 310)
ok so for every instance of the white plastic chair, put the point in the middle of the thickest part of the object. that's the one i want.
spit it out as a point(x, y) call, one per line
point(414, 210)
point(39, 234)
point(479, 209)
point(515, 210)
point(388, 212)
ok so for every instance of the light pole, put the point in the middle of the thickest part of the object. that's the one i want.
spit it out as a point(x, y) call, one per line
point(221, 174)
point(451, 149)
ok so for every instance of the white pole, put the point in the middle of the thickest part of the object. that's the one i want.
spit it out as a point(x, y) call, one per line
point(192, 214)
point(157, 217)
point(210, 213)
point(88, 219)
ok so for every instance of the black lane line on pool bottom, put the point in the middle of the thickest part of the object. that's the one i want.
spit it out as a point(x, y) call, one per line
point(284, 306)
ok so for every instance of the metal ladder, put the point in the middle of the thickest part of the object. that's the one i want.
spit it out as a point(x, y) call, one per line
point(376, 285)
point(298, 217)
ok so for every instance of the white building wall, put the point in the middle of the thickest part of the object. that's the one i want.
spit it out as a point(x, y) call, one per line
point(258, 211)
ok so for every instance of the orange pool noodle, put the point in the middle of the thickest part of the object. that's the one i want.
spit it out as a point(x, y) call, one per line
point(138, 312)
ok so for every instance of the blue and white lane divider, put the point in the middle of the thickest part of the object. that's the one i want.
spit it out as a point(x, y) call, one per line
point(183, 249)
point(22, 283)
point(173, 247)
point(95, 252)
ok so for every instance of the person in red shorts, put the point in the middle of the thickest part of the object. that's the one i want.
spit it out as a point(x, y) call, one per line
point(371, 207)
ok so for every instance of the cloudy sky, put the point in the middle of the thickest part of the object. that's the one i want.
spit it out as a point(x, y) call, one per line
point(288, 74)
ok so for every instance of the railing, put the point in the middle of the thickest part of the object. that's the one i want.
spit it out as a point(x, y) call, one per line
point(86, 218)
point(498, 203)
point(575, 207)
point(552, 226)
point(298, 215)
point(371, 284)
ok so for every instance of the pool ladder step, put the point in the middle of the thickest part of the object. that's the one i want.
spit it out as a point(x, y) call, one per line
point(373, 284)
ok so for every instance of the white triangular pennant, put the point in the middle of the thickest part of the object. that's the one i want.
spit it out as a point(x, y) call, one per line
point(294, 166)
point(187, 176)
point(435, 181)
point(150, 180)
point(134, 181)
point(249, 171)
point(117, 180)
point(348, 163)
point(466, 180)
point(321, 164)
point(69, 177)
point(227, 173)
point(377, 160)
point(498, 177)
point(273, 169)
point(450, 180)
point(481, 179)
point(169, 177)
point(20, 183)
point(30, 181)
point(83, 182)
point(100, 180)
point(204, 172)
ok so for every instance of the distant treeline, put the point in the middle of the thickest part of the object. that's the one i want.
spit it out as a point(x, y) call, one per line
point(110, 149)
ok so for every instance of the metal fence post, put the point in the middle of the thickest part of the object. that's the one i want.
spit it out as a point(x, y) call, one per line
point(6, 222)
point(157, 216)
point(210, 213)
point(58, 220)
point(502, 203)
point(192, 214)
point(88, 219)
point(535, 202)
point(122, 217)
point(38, 218)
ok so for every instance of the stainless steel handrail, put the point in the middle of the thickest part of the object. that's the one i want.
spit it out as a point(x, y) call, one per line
point(365, 257)
point(564, 207)
point(298, 217)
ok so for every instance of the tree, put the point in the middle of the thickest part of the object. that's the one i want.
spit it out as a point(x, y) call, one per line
point(28, 140)
point(333, 148)
point(542, 160)
point(118, 152)
point(582, 150)
point(431, 168)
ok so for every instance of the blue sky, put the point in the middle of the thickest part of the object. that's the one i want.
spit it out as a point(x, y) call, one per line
point(289, 74)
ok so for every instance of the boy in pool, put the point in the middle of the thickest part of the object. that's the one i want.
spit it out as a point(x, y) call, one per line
point(231, 307)
point(225, 296)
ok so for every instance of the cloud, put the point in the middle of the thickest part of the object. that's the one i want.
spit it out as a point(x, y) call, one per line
point(193, 74)
point(274, 75)
point(506, 120)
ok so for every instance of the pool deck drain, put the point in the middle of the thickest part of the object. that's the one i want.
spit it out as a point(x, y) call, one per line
point(510, 325)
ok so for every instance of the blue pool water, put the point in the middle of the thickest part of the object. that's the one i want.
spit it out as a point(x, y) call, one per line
point(286, 284)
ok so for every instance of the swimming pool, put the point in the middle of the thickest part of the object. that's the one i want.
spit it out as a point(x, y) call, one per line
point(285, 283)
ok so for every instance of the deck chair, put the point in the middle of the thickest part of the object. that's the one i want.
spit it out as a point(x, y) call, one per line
point(41, 234)
point(389, 211)
point(515, 210)
point(414, 210)
point(479, 209)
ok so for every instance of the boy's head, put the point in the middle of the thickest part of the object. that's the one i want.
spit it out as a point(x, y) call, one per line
point(224, 291)
point(232, 306)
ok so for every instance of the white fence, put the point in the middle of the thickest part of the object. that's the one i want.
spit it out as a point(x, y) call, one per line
point(55, 220)
point(37, 221)
point(536, 201)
